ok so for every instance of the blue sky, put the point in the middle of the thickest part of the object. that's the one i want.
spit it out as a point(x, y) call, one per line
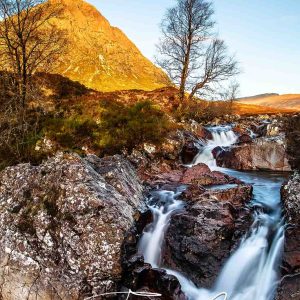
point(264, 35)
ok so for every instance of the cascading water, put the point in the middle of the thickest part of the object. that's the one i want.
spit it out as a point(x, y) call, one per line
point(251, 272)
point(162, 204)
point(223, 136)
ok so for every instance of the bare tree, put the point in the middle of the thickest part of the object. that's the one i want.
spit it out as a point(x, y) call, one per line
point(189, 51)
point(29, 42)
point(29, 39)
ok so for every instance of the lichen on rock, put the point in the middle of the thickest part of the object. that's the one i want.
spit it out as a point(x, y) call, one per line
point(62, 225)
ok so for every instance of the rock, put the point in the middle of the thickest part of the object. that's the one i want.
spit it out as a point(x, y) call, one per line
point(273, 130)
point(262, 154)
point(193, 192)
point(139, 276)
point(188, 153)
point(289, 288)
point(216, 151)
point(238, 195)
point(244, 138)
point(241, 129)
point(198, 130)
point(292, 129)
point(62, 225)
point(200, 239)
point(260, 130)
point(202, 175)
point(190, 149)
point(203, 133)
point(290, 285)
point(157, 281)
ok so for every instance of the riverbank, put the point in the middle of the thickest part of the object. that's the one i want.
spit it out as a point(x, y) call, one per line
point(76, 227)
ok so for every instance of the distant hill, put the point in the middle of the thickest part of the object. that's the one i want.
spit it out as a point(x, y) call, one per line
point(259, 96)
point(275, 101)
point(101, 56)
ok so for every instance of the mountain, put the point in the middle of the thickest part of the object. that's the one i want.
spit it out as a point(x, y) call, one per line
point(101, 56)
point(288, 102)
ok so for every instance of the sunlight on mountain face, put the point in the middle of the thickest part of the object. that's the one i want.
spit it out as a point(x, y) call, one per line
point(99, 55)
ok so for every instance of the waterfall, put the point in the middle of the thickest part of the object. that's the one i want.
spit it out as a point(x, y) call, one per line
point(251, 272)
point(223, 136)
point(164, 205)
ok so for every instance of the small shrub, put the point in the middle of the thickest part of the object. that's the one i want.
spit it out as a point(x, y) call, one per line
point(112, 128)
point(203, 111)
point(126, 127)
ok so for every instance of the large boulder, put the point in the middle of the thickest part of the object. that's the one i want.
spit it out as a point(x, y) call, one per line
point(262, 154)
point(202, 175)
point(290, 284)
point(62, 225)
point(201, 238)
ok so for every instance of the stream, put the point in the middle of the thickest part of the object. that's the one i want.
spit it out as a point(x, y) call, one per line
point(251, 272)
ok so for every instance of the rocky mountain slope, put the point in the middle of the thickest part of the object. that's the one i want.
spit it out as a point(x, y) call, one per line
point(101, 56)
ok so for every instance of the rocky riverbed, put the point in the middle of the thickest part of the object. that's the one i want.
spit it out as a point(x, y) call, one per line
point(70, 228)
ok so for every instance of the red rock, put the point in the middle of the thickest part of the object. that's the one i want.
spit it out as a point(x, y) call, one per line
point(237, 196)
point(244, 138)
point(203, 133)
point(289, 285)
point(195, 173)
point(200, 239)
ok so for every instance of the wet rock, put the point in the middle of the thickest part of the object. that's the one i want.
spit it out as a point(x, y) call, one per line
point(273, 129)
point(260, 130)
point(198, 130)
point(200, 239)
point(240, 129)
point(244, 138)
point(158, 281)
point(193, 192)
point(202, 175)
point(188, 153)
point(262, 154)
point(216, 151)
point(289, 288)
point(292, 129)
point(62, 225)
point(235, 194)
point(290, 284)
point(238, 195)
point(141, 277)
point(190, 149)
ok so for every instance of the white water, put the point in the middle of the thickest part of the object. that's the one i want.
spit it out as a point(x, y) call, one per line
point(251, 273)
point(153, 236)
point(222, 137)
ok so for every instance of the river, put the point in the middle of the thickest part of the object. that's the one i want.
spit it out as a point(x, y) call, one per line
point(251, 272)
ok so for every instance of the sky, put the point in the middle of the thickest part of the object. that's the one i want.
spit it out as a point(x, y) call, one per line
point(264, 35)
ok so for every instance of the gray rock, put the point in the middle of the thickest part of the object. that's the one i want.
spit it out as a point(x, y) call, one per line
point(62, 225)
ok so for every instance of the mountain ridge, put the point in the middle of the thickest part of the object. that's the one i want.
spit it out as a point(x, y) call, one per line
point(100, 55)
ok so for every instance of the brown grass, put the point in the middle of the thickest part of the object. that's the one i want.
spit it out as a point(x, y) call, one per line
point(278, 102)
